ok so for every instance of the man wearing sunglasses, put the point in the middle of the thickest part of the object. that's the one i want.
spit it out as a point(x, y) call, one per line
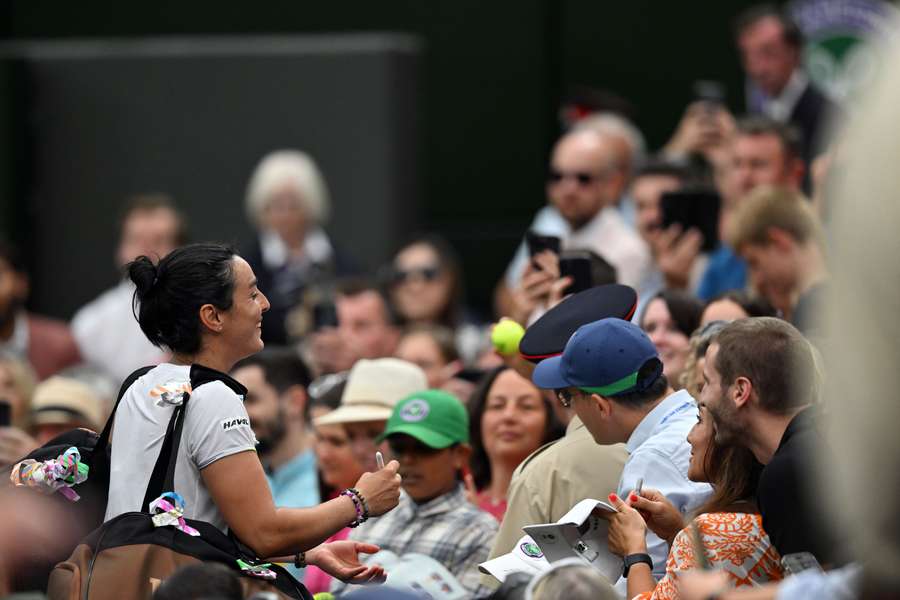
point(611, 376)
point(586, 178)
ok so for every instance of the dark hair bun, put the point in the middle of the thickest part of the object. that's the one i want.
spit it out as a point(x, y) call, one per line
point(143, 273)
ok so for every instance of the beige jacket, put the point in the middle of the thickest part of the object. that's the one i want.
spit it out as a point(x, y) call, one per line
point(553, 479)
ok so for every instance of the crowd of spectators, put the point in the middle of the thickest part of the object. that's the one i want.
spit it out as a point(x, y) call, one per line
point(699, 418)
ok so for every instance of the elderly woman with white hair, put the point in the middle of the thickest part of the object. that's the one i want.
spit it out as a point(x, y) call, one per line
point(288, 203)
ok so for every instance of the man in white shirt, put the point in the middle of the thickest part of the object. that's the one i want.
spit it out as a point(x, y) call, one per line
point(105, 329)
point(587, 178)
point(611, 375)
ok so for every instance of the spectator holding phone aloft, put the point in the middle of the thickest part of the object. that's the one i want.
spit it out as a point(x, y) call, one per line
point(366, 328)
point(678, 262)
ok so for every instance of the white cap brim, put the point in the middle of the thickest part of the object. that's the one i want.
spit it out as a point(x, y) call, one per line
point(355, 413)
point(515, 562)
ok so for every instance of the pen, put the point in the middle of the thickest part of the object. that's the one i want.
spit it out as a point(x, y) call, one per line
point(379, 460)
point(639, 486)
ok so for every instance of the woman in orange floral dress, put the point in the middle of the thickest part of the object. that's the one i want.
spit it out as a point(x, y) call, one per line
point(728, 526)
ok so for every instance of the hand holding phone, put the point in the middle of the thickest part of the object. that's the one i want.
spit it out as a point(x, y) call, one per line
point(540, 243)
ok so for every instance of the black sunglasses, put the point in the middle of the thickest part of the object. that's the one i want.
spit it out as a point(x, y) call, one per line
point(408, 445)
point(581, 177)
point(426, 273)
point(565, 396)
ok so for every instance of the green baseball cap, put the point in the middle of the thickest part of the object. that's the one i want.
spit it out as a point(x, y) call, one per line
point(434, 417)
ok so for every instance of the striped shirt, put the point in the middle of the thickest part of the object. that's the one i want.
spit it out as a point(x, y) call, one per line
point(449, 529)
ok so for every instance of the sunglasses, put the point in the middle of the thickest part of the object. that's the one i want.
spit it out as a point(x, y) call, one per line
point(581, 177)
point(565, 396)
point(424, 273)
point(406, 445)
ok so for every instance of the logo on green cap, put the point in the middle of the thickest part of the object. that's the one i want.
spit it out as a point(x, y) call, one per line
point(531, 549)
point(415, 411)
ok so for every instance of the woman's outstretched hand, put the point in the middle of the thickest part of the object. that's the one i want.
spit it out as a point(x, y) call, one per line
point(341, 561)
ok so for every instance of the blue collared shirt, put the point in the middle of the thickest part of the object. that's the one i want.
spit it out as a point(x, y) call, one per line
point(295, 484)
point(659, 453)
point(726, 271)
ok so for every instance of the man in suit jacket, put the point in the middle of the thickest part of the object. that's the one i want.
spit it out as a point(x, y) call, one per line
point(770, 45)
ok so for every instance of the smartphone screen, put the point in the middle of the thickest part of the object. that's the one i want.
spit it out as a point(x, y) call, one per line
point(5, 413)
point(325, 315)
point(579, 269)
point(538, 243)
point(693, 209)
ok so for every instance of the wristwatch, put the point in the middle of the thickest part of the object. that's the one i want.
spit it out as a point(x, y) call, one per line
point(633, 559)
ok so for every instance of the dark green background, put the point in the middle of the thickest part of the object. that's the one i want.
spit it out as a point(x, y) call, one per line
point(491, 79)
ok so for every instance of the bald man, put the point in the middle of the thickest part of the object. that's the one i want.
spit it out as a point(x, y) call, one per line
point(586, 178)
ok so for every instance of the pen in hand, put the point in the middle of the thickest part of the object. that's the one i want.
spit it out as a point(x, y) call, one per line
point(379, 460)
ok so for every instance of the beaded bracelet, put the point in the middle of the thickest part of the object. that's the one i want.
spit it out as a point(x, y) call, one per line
point(362, 501)
point(360, 518)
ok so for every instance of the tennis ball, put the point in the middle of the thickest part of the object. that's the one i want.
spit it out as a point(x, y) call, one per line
point(324, 596)
point(506, 335)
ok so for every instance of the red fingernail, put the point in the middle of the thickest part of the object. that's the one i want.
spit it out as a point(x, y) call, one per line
point(612, 497)
point(633, 498)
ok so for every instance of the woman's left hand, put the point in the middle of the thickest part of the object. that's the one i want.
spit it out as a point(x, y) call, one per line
point(627, 530)
point(341, 561)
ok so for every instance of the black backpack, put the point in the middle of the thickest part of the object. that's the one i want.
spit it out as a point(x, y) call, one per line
point(88, 512)
point(91, 536)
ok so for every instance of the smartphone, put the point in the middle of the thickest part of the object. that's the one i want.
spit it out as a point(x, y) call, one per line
point(587, 269)
point(538, 243)
point(799, 561)
point(5, 413)
point(710, 93)
point(579, 269)
point(696, 208)
point(324, 315)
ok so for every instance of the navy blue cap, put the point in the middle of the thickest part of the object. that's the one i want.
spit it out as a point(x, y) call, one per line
point(603, 357)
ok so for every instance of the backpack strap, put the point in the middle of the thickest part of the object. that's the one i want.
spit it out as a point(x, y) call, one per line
point(162, 478)
point(103, 441)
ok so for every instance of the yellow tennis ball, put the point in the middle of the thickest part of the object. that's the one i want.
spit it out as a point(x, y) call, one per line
point(506, 335)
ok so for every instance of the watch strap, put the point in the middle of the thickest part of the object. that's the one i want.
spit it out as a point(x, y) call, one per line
point(633, 559)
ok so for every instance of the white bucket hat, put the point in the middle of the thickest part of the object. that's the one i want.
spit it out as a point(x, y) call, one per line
point(373, 388)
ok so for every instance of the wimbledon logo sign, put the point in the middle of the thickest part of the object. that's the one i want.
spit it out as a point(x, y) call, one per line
point(836, 56)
